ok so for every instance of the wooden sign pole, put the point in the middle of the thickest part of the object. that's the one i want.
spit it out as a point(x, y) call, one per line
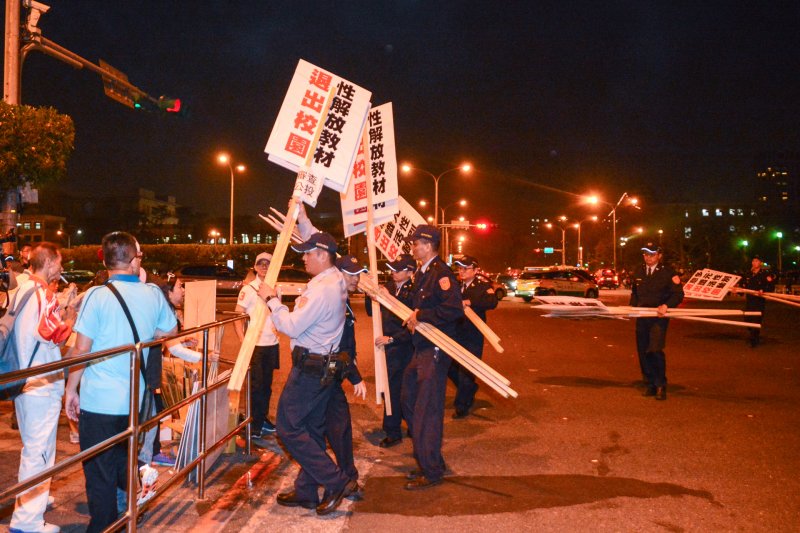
point(381, 373)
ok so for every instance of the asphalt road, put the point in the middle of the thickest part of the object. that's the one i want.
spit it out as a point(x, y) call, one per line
point(582, 450)
point(579, 450)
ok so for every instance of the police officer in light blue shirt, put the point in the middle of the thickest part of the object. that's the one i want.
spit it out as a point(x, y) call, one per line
point(315, 327)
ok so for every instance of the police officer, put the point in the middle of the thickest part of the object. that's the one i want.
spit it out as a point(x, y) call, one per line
point(435, 300)
point(654, 285)
point(479, 295)
point(396, 342)
point(338, 424)
point(315, 327)
point(761, 280)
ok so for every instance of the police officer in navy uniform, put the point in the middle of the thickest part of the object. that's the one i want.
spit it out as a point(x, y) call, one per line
point(338, 423)
point(761, 280)
point(478, 295)
point(396, 342)
point(436, 300)
point(315, 327)
point(654, 285)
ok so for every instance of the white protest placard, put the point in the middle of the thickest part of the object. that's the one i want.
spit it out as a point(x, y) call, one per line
point(318, 95)
point(307, 187)
point(709, 284)
point(390, 238)
point(381, 174)
point(200, 307)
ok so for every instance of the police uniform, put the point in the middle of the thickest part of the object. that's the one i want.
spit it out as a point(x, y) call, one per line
point(482, 298)
point(398, 352)
point(315, 328)
point(662, 286)
point(436, 297)
point(763, 280)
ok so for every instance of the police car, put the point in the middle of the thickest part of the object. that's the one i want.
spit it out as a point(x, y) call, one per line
point(553, 281)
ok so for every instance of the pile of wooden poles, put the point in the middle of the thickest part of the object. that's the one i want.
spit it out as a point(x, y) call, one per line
point(787, 299)
point(460, 354)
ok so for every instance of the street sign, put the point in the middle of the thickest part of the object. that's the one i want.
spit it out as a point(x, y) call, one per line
point(459, 224)
point(114, 90)
point(548, 250)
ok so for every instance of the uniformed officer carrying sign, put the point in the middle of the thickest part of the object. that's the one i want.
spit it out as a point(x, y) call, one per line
point(654, 285)
point(436, 299)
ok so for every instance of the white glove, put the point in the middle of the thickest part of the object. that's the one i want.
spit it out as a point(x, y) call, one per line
point(187, 354)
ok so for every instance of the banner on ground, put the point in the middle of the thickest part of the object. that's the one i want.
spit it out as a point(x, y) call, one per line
point(390, 238)
point(378, 170)
point(709, 284)
point(320, 122)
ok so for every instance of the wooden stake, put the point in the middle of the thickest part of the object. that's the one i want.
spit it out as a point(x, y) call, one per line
point(484, 328)
point(480, 369)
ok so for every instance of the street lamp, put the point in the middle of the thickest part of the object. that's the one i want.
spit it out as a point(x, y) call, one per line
point(779, 235)
point(577, 225)
point(613, 214)
point(214, 235)
point(61, 234)
point(563, 238)
point(225, 159)
point(466, 167)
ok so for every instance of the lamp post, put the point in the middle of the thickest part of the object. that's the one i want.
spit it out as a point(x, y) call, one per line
point(466, 167)
point(61, 234)
point(577, 225)
point(563, 239)
point(613, 215)
point(225, 159)
point(779, 235)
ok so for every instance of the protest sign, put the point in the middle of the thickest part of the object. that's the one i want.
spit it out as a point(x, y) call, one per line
point(378, 173)
point(317, 98)
point(709, 284)
point(390, 238)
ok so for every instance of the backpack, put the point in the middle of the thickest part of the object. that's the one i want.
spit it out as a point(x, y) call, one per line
point(9, 358)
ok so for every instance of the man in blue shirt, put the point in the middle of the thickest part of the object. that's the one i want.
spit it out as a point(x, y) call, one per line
point(102, 408)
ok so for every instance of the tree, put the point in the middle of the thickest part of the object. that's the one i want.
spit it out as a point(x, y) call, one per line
point(35, 144)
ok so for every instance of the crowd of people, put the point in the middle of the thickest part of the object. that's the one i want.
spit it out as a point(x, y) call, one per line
point(313, 412)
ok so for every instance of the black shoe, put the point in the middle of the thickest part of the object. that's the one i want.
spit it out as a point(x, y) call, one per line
point(355, 495)
point(267, 427)
point(649, 391)
point(332, 501)
point(388, 442)
point(459, 414)
point(422, 483)
point(290, 499)
point(661, 393)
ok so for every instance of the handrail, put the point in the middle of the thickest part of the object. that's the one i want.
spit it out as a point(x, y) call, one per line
point(135, 426)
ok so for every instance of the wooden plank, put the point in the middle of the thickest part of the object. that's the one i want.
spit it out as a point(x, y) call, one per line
point(484, 328)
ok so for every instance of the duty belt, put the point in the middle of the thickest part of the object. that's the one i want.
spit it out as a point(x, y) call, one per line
point(325, 366)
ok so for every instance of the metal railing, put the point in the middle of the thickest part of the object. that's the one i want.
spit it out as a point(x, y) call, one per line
point(137, 427)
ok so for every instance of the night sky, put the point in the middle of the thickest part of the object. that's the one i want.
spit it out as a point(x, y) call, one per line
point(669, 100)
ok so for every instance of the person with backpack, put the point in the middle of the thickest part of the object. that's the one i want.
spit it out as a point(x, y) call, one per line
point(38, 331)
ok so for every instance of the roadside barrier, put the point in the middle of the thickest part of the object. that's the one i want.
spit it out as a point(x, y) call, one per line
point(136, 427)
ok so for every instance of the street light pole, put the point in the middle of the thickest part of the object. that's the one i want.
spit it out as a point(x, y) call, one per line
point(780, 261)
point(464, 168)
point(226, 160)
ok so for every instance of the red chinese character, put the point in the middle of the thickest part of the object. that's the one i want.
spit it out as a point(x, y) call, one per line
point(297, 145)
point(359, 169)
point(377, 232)
point(313, 101)
point(392, 250)
point(320, 79)
point(361, 190)
point(384, 242)
point(305, 122)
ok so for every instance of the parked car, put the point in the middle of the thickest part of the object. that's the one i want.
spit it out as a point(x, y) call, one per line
point(229, 282)
point(546, 282)
point(508, 281)
point(499, 289)
point(606, 277)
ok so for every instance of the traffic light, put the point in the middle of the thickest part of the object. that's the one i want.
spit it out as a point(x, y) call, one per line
point(170, 105)
point(481, 226)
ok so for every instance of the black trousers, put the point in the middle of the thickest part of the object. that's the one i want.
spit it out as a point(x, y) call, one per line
point(754, 303)
point(262, 365)
point(397, 359)
point(464, 380)
point(104, 472)
point(651, 337)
